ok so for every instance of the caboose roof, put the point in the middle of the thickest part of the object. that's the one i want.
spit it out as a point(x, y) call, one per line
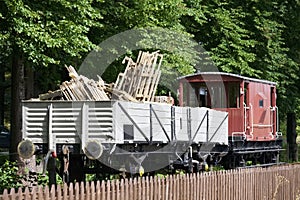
point(228, 75)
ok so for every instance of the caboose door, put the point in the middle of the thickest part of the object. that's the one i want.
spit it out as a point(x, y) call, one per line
point(261, 112)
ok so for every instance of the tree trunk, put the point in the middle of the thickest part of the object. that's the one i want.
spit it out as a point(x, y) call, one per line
point(29, 83)
point(291, 137)
point(2, 94)
point(17, 94)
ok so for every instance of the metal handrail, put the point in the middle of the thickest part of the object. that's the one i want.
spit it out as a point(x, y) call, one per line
point(245, 117)
point(251, 111)
point(277, 121)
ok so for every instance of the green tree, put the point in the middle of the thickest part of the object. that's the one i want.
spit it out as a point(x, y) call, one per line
point(271, 50)
point(161, 21)
point(291, 34)
point(40, 35)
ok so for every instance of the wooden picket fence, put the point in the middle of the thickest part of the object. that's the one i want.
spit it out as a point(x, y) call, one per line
point(281, 182)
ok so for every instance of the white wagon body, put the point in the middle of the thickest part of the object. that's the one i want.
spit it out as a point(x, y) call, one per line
point(118, 122)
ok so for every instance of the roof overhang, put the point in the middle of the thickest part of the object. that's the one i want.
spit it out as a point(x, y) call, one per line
point(219, 76)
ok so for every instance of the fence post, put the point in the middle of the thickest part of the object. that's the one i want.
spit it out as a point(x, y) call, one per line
point(87, 191)
point(5, 194)
point(126, 187)
point(108, 195)
point(46, 192)
point(113, 190)
point(65, 191)
point(117, 183)
point(71, 191)
point(151, 195)
point(13, 193)
point(103, 186)
point(58, 193)
point(98, 190)
point(77, 190)
point(52, 192)
point(93, 193)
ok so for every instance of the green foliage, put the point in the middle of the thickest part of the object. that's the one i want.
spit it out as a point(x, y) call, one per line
point(161, 176)
point(9, 176)
point(272, 53)
point(218, 168)
point(158, 26)
point(219, 27)
point(180, 54)
point(46, 35)
point(42, 179)
point(90, 177)
point(47, 32)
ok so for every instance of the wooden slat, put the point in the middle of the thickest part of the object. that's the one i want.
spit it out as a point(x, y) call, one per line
point(58, 193)
point(108, 190)
point(113, 190)
point(98, 190)
point(118, 190)
point(46, 194)
point(71, 191)
point(140, 78)
point(126, 189)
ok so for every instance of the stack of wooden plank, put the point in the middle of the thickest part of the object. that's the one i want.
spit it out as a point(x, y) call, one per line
point(81, 88)
point(140, 78)
point(138, 83)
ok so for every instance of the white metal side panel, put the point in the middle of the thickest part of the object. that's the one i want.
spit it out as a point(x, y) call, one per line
point(199, 124)
point(66, 122)
point(161, 122)
point(216, 131)
point(181, 131)
point(142, 118)
point(35, 123)
point(132, 114)
point(218, 127)
point(100, 121)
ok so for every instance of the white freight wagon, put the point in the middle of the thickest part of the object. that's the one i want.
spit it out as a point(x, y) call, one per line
point(104, 130)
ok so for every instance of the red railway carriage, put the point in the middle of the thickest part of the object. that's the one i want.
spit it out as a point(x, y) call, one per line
point(250, 103)
point(251, 107)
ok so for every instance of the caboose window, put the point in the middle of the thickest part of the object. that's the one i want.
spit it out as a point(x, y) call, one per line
point(190, 95)
point(217, 95)
point(233, 95)
point(261, 103)
point(202, 96)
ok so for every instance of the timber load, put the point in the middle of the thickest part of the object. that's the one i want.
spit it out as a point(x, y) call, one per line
point(137, 83)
